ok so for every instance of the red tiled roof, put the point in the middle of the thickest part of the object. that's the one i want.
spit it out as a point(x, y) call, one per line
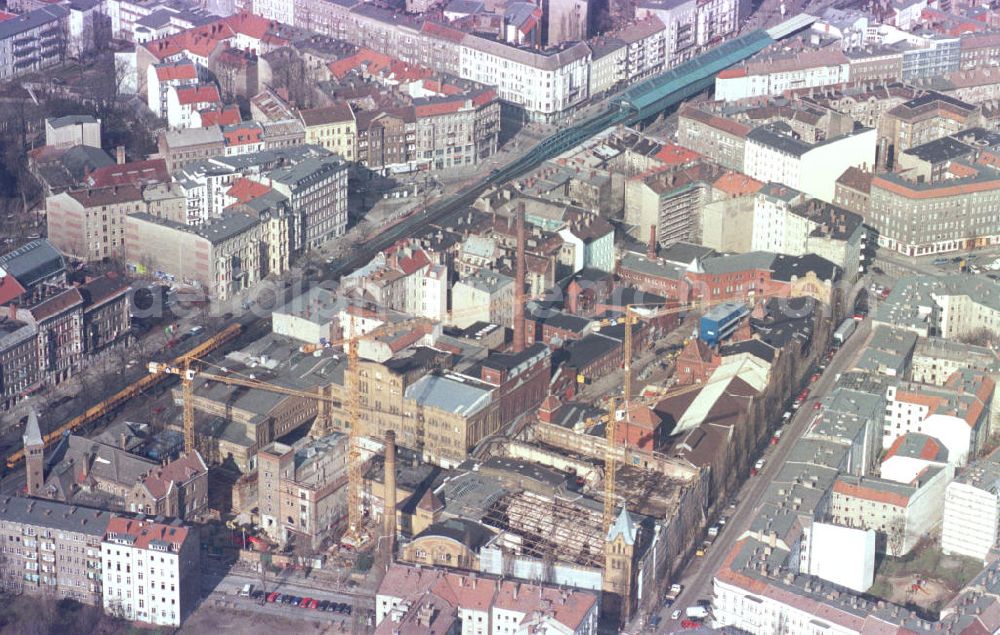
point(726, 125)
point(870, 493)
point(145, 532)
point(944, 190)
point(10, 289)
point(737, 184)
point(372, 61)
point(443, 32)
point(438, 108)
point(249, 24)
point(414, 263)
point(173, 72)
point(225, 116)
point(181, 470)
point(732, 73)
point(241, 135)
point(673, 154)
point(484, 97)
point(245, 190)
point(204, 94)
point(55, 305)
point(131, 173)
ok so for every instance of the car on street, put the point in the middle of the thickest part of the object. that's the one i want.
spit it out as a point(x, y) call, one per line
point(655, 621)
point(758, 466)
point(817, 405)
point(296, 600)
point(323, 604)
point(675, 614)
point(688, 623)
point(273, 597)
point(305, 603)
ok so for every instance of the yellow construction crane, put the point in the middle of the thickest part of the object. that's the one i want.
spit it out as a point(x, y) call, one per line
point(187, 371)
point(609, 468)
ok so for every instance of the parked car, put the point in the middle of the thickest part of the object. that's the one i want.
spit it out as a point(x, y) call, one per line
point(305, 603)
point(273, 597)
point(675, 614)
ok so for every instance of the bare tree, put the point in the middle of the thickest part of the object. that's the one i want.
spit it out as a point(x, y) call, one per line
point(979, 337)
point(895, 536)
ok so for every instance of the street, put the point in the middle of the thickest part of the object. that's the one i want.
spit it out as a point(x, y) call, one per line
point(697, 579)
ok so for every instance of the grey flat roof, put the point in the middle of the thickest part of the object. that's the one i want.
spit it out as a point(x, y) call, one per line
point(33, 262)
point(54, 515)
point(453, 393)
point(31, 20)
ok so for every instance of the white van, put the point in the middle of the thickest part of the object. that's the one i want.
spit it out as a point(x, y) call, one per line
point(246, 590)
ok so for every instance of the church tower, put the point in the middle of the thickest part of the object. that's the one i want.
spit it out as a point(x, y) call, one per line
point(619, 551)
point(34, 455)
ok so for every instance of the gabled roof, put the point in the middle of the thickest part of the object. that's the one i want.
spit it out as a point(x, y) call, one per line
point(33, 262)
point(624, 526)
point(176, 72)
point(32, 432)
point(202, 94)
point(225, 116)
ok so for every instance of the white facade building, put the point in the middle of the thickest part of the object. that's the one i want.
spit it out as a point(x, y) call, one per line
point(150, 571)
point(773, 155)
point(842, 555)
point(544, 85)
point(770, 75)
point(972, 510)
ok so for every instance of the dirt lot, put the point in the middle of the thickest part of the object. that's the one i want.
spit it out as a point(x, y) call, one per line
point(211, 618)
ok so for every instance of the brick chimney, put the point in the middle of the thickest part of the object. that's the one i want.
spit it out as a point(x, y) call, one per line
point(389, 496)
point(519, 276)
point(120, 154)
point(651, 248)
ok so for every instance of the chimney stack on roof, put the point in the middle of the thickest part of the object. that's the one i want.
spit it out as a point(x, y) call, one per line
point(389, 496)
point(519, 276)
point(651, 248)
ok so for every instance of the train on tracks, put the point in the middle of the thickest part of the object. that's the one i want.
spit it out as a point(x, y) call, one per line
point(138, 387)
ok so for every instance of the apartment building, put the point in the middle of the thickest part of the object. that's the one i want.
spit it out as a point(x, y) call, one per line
point(774, 153)
point(785, 222)
point(180, 148)
point(544, 84)
point(223, 256)
point(786, 66)
point(151, 571)
point(483, 296)
point(457, 412)
point(302, 489)
point(107, 307)
point(33, 41)
point(412, 598)
point(177, 489)
point(718, 138)
point(924, 118)
point(916, 218)
point(90, 223)
point(903, 513)
point(669, 200)
point(317, 189)
point(947, 306)
point(956, 413)
point(19, 371)
point(51, 549)
point(332, 127)
point(186, 103)
point(971, 525)
point(73, 130)
point(161, 77)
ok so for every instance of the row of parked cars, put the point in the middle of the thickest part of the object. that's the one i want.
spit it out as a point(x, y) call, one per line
point(305, 603)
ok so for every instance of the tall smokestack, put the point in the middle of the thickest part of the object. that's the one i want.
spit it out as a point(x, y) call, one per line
point(651, 249)
point(519, 275)
point(389, 511)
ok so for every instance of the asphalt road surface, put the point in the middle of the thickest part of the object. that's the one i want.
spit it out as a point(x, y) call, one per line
point(697, 579)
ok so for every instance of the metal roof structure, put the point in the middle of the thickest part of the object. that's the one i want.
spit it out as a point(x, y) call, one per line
point(33, 262)
point(692, 76)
